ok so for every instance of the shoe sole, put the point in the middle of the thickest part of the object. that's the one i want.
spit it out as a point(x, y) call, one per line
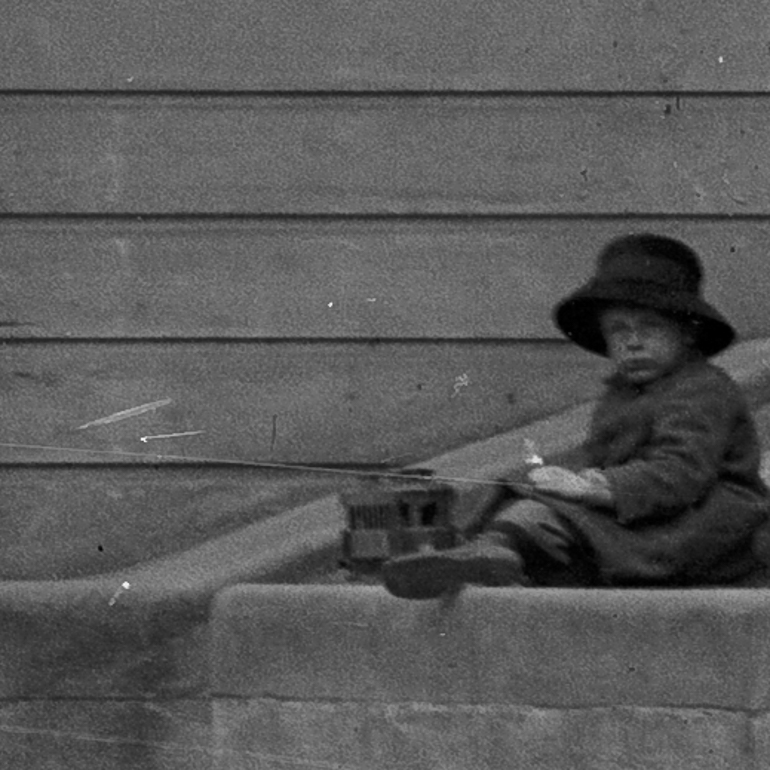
point(431, 575)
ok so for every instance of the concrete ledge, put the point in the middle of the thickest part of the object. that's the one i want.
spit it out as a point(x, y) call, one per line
point(93, 641)
point(546, 648)
point(171, 596)
point(544, 679)
point(95, 636)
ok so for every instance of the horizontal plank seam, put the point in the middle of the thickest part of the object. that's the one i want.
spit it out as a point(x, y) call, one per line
point(140, 218)
point(191, 463)
point(210, 340)
point(385, 93)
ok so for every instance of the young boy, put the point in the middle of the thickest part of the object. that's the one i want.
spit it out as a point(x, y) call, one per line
point(671, 493)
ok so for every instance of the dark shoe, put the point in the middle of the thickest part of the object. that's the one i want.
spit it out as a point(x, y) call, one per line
point(430, 574)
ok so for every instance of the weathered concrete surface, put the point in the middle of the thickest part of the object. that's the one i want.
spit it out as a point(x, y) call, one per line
point(94, 642)
point(169, 596)
point(272, 734)
point(63, 522)
point(551, 679)
point(323, 401)
point(105, 735)
point(549, 648)
point(546, 679)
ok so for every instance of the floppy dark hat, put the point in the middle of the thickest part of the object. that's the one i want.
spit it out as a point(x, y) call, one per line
point(646, 271)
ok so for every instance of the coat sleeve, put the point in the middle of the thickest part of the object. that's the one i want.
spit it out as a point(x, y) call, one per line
point(691, 432)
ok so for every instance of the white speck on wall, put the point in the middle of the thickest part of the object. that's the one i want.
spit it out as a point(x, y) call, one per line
point(532, 458)
point(126, 413)
point(461, 381)
point(124, 586)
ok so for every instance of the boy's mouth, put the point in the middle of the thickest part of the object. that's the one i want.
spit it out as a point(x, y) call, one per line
point(638, 366)
point(638, 363)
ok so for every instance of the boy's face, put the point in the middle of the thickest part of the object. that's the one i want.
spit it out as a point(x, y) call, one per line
point(644, 344)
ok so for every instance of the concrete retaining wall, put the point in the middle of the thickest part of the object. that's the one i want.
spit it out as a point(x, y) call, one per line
point(96, 676)
point(544, 680)
point(335, 676)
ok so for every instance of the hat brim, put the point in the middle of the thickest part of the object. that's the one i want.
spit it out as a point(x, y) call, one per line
point(578, 316)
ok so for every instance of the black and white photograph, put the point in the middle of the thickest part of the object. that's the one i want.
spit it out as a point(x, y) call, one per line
point(384, 385)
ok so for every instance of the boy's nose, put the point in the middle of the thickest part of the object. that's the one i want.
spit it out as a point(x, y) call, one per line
point(634, 340)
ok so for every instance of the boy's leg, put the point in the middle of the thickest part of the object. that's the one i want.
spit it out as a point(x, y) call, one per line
point(551, 547)
point(533, 527)
point(525, 535)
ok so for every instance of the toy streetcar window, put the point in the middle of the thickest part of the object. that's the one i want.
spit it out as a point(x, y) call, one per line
point(429, 512)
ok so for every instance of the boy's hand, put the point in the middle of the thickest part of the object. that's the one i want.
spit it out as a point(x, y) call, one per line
point(588, 486)
point(559, 481)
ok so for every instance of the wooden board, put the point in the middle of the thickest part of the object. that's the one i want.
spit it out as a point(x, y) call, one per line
point(385, 44)
point(82, 493)
point(338, 278)
point(63, 522)
point(384, 155)
point(277, 402)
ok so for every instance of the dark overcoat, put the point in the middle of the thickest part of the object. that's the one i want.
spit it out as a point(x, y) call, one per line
point(682, 458)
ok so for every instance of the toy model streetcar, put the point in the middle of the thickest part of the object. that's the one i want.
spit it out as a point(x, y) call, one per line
point(393, 516)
